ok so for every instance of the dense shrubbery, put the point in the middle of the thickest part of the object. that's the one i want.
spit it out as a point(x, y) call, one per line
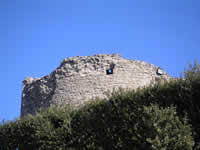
point(160, 117)
point(126, 125)
point(49, 129)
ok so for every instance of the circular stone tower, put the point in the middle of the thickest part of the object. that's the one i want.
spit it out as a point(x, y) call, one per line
point(82, 78)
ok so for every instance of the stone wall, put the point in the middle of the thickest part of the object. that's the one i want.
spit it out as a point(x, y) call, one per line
point(79, 79)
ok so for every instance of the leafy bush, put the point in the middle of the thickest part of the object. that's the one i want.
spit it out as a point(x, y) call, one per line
point(48, 129)
point(183, 93)
point(123, 124)
point(7, 136)
point(164, 129)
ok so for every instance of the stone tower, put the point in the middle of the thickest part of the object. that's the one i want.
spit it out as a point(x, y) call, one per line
point(81, 78)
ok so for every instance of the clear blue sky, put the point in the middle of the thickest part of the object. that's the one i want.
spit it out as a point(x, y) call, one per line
point(35, 35)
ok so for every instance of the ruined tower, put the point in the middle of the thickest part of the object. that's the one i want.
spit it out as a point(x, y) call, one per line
point(81, 78)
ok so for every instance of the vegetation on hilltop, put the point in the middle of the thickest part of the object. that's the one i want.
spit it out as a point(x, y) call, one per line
point(159, 117)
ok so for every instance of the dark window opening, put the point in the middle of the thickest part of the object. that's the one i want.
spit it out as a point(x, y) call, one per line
point(109, 71)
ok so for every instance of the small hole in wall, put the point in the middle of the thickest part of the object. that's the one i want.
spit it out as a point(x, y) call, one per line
point(109, 71)
point(159, 71)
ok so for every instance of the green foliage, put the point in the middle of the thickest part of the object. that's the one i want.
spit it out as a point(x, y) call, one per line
point(165, 130)
point(192, 72)
point(183, 93)
point(7, 136)
point(49, 129)
point(122, 123)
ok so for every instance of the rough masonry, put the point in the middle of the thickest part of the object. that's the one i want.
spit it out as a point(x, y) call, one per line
point(82, 78)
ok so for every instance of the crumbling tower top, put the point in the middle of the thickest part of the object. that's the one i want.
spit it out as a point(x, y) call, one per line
point(81, 78)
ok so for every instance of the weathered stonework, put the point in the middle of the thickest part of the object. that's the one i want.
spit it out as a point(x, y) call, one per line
point(79, 79)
